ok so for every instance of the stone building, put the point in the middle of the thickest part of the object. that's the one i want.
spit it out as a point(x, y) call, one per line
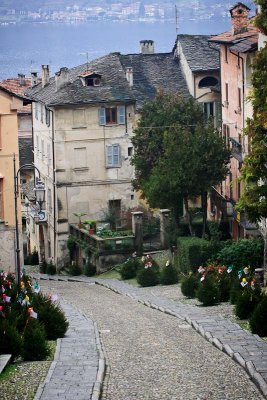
point(83, 121)
point(238, 47)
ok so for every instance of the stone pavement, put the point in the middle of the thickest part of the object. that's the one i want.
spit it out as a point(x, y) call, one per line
point(74, 371)
point(248, 350)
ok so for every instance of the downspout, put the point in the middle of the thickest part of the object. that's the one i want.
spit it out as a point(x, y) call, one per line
point(54, 183)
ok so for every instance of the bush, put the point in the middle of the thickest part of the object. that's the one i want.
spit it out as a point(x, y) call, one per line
point(235, 290)
point(129, 268)
point(51, 269)
point(11, 342)
point(258, 319)
point(43, 267)
point(189, 286)
point(35, 346)
point(90, 269)
point(192, 252)
point(148, 273)
point(247, 302)
point(34, 258)
point(168, 275)
point(51, 315)
point(224, 282)
point(242, 253)
point(208, 291)
point(75, 269)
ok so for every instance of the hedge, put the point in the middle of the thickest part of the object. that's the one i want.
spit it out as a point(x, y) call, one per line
point(244, 252)
point(192, 252)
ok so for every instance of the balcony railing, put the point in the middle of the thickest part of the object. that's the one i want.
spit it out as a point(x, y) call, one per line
point(103, 246)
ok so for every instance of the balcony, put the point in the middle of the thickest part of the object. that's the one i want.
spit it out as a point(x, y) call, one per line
point(236, 149)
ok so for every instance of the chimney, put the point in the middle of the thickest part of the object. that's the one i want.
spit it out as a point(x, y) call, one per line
point(129, 75)
point(147, 46)
point(45, 75)
point(239, 16)
point(22, 81)
point(62, 77)
point(34, 78)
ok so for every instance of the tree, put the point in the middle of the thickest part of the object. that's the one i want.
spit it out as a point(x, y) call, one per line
point(254, 172)
point(177, 154)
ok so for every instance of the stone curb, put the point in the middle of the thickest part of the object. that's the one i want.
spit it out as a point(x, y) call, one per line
point(50, 372)
point(97, 390)
point(247, 366)
point(251, 371)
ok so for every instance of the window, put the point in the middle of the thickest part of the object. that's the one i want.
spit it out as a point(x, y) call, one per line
point(226, 95)
point(42, 150)
point(113, 155)
point(209, 110)
point(225, 54)
point(130, 151)
point(111, 115)
point(80, 158)
point(36, 110)
point(207, 82)
point(47, 117)
point(239, 99)
point(1, 199)
point(42, 113)
point(49, 200)
point(226, 134)
point(79, 118)
point(37, 146)
point(48, 153)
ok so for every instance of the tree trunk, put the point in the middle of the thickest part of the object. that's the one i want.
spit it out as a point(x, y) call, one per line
point(204, 204)
point(188, 215)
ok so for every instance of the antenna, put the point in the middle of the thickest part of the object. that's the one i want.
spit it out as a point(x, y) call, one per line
point(87, 59)
point(176, 19)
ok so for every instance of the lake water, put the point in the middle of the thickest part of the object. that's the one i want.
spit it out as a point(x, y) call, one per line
point(27, 46)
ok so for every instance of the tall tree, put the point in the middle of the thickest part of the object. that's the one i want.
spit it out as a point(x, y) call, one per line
point(177, 154)
point(254, 171)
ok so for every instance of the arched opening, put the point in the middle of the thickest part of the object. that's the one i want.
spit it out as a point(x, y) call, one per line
point(208, 81)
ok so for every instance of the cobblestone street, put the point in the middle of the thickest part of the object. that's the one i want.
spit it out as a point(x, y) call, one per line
point(152, 355)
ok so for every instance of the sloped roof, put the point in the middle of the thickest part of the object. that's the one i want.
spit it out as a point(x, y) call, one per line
point(14, 87)
point(199, 55)
point(25, 151)
point(228, 37)
point(150, 72)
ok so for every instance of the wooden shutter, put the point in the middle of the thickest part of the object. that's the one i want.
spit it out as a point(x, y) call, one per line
point(102, 116)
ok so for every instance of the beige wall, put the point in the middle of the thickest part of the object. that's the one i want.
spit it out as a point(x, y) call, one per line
point(8, 147)
point(83, 182)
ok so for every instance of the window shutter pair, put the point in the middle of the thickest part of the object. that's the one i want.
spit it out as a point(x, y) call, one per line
point(113, 155)
point(120, 115)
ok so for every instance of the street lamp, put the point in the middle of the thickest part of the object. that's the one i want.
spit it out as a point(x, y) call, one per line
point(39, 190)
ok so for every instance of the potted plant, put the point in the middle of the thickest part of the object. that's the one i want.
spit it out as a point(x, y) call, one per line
point(80, 215)
point(90, 225)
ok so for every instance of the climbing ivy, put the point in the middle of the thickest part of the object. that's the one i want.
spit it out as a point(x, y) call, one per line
point(254, 172)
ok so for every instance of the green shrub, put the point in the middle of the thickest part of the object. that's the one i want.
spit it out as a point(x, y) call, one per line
point(242, 253)
point(148, 273)
point(11, 342)
point(168, 275)
point(43, 267)
point(224, 282)
point(90, 269)
point(34, 258)
point(208, 291)
point(235, 290)
point(51, 269)
point(189, 286)
point(75, 269)
point(258, 319)
point(192, 252)
point(35, 346)
point(51, 315)
point(247, 302)
point(128, 269)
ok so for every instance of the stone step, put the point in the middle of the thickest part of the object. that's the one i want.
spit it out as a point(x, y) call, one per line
point(4, 360)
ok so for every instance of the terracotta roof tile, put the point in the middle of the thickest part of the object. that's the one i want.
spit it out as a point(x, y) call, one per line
point(13, 85)
point(228, 37)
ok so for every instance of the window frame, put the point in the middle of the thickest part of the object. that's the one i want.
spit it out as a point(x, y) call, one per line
point(120, 115)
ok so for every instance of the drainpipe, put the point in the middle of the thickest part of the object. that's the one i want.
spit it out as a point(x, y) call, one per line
point(54, 182)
